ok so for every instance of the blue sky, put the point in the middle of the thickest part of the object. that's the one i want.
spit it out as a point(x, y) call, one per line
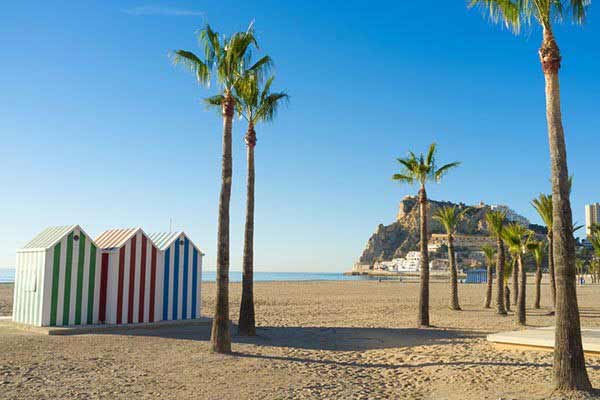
point(99, 128)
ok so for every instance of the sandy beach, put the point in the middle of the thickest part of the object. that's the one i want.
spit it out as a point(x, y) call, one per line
point(318, 340)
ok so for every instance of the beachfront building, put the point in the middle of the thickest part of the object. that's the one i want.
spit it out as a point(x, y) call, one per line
point(592, 217)
point(180, 262)
point(130, 277)
point(57, 279)
point(465, 242)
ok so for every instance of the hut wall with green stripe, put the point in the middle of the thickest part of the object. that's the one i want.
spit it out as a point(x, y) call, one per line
point(59, 286)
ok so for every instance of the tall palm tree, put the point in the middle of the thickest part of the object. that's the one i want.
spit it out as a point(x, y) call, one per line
point(543, 206)
point(228, 58)
point(515, 237)
point(536, 248)
point(490, 254)
point(449, 217)
point(423, 169)
point(569, 361)
point(495, 223)
point(256, 104)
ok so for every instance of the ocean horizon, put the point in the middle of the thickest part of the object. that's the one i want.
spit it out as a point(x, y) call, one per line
point(7, 275)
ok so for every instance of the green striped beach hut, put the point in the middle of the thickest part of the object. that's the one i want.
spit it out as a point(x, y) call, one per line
point(57, 279)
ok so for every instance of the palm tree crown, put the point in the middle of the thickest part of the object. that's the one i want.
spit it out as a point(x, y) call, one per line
point(490, 253)
point(495, 222)
point(449, 217)
point(422, 169)
point(516, 237)
point(536, 248)
point(543, 206)
point(228, 57)
point(516, 13)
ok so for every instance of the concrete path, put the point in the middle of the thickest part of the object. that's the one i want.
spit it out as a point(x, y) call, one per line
point(543, 338)
point(83, 329)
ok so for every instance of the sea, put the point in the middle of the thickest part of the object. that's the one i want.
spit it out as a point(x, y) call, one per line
point(7, 275)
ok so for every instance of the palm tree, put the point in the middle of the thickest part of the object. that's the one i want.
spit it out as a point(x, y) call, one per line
point(421, 170)
point(449, 217)
point(543, 206)
point(255, 104)
point(508, 268)
point(490, 254)
point(536, 248)
point(515, 237)
point(569, 361)
point(229, 59)
point(495, 223)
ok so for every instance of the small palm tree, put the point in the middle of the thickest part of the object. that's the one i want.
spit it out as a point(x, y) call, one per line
point(543, 206)
point(229, 59)
point(256, 104)
point(495, 223)
point(569, 361)
point(536, 248)
point(515, 237)
point(423, 169)
point(449, 217)
point(511, 263)
point(490, 254)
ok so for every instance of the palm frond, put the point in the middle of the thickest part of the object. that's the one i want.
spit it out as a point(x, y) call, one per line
point(191, 61)
point(543, 206)
point(449, 217)
point(430, 160)
point(440, 172)
point(495, 222)
point(403, 178)
point(489, 252)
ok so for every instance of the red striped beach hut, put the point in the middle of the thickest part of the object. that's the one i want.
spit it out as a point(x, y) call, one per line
point(56, 279)
point(180, 274)
point(128, 279)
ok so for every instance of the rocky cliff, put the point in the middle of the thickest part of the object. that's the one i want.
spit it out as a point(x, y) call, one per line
point(395, 240)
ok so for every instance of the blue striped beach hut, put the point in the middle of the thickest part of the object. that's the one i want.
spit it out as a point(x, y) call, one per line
point(476, 276)
point(179, 287)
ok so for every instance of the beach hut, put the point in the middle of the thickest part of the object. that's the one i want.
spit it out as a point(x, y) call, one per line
point(129, 277)
point(476, 276)
point(181, 276)
point(56, 279)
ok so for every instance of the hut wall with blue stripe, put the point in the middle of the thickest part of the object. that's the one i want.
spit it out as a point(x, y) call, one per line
point(180, 289)
point(476, 276)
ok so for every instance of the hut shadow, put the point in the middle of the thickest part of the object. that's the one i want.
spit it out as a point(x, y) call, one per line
point(318, 338)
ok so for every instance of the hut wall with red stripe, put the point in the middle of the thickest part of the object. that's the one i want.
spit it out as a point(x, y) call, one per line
point(130, 279)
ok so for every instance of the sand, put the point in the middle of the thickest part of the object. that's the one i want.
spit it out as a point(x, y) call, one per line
point(318, 340)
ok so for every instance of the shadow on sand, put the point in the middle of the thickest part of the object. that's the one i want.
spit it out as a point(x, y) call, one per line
point(317, 338)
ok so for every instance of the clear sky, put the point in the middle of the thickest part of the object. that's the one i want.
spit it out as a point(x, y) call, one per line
point(99, 128)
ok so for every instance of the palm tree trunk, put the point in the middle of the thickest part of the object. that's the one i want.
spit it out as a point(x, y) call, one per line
point(488, 291)
point(507, 297)
point(521, 304)
point(551, 268)
point(538, 284)
point(454, 305)
point(569, 362)
point(423, 317)
point(501, 303)
point(220, 335)
point(247, 323)
point(515, 285)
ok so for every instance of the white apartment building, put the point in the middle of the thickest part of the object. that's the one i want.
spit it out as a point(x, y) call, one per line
point(592, 217)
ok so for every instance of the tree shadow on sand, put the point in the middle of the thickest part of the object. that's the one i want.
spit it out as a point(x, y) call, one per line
point(318, 338)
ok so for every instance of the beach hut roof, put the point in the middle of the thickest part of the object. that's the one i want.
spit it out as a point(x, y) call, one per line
point(115, 238)
point(51, 236)
point(163, 240)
